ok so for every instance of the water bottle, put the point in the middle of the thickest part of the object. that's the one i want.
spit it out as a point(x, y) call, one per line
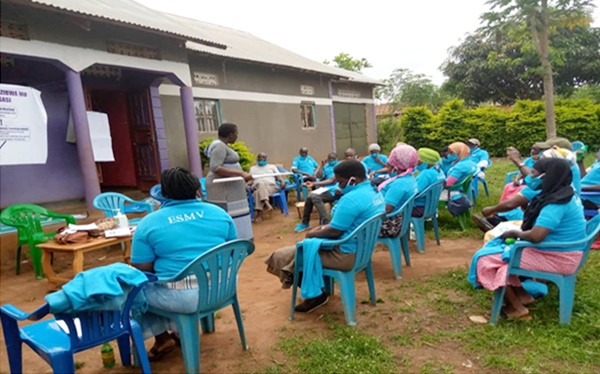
point(121, 219)
point(108, 355)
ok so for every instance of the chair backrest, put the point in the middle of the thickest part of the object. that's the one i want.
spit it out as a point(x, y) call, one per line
point(366, 238)
point(27, 217)
point(203, 186)
point(216, 273)
point(111, 202)
point(405, 210)
point(295, 178)
point(510, 176)
point(592, 229)
point(95, 327)
point(156, 193)
point(432, 198)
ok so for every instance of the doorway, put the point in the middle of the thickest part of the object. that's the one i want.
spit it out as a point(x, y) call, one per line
point(133, 141)
point(350, 127)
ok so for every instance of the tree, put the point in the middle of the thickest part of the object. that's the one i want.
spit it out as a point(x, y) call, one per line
point(541, 19)
point(405, 88)
point(345, 61)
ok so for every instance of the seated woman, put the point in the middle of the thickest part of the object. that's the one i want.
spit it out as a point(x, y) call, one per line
point(429, 173)
point(462, 167)
point(554, 215)
point(397, 190)
point(168, 240)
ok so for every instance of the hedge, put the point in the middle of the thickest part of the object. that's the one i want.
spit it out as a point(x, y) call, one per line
point(496, 127)
point(247, 159)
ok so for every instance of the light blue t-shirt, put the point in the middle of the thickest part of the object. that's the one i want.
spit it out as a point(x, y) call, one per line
point(305, 164)
point(566, 222)
point(353, 209)
point(529, 162)
point(478, 155)
point(576, 179)
point(462, 169)
point(398, 191)
point(592, 178)
point(426, 178)
point(177, 233)
point(445, 165)
point(328, 170)
point(371, 164)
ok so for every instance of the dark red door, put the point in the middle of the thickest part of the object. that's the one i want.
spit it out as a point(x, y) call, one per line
point(143, 140)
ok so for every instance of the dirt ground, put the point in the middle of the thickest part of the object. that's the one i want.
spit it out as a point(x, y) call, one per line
point(265, 305)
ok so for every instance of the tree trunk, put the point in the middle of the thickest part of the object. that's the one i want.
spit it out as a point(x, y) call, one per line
point(548, 81)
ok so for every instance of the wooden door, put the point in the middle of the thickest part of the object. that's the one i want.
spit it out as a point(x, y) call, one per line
point(143, 140)
point(350, 127)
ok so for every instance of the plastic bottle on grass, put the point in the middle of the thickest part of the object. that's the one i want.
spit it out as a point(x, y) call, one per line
point(108, 355)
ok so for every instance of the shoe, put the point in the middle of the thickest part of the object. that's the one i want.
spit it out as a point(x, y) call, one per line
point(483, 224)
point(310, 305)
point(301, 227)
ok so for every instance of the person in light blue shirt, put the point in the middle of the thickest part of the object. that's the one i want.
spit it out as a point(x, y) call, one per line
point(590, 182)
point(429, 172)
point(375, 161)
point(169, 239)
point(325, 170)
point(359, 202)
point(445, 164)
point(479, 156)
point(305, 165)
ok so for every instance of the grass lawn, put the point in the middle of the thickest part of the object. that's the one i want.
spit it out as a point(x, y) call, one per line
point(432, 328)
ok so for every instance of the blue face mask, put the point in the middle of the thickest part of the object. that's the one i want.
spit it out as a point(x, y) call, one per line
point(533, 183)
point(303, 157)
point(452, 158)
point(349, 186)
point(262, 162)
point(332, 163)
point(374, 155)
point(421, 167)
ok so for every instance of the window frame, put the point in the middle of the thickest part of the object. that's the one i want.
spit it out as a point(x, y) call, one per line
point(216, 121)
point(304, 117)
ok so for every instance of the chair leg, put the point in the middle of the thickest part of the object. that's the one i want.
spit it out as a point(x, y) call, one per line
point(294, 292)
point(419, 227)
point(393, 245)
point(497, 305)
point(329, 285)
point(371, 283)
point(436, 229)
point(19, 259)
point(63, 363)
point(487, 193)
point(13, 342)
point(124, 349)
point(208, 323)
point(348, 294)
point(139, 348)
point(462, 221)
point(405, 250)
point(566, 296)
point(240, 322)
point(189, 334)
point(36, 259)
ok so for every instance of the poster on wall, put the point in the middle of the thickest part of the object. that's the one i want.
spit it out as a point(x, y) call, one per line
point(23, 126)
point(100, 136)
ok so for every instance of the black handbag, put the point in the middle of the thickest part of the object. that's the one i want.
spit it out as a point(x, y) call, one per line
point(458, 204)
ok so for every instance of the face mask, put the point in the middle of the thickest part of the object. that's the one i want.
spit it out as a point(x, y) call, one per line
point(349, 186)
point(421, 167)
point(534, 183)
point(303, 157)
point(262, 162)
point(374, 155)
point(452, 158)
point(332, 163)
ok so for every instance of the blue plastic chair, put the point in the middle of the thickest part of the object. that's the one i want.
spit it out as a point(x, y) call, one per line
point(565, 283)
point(465, 187)
point(278, 198)
point(399, 243)
point(432, 198)
point(475, 185)
point(589, 212)
point(203, 186)
point(216, 272)
point(510, 176)
point(293, 185)
point(111, 202)
point(156, 194)
point(365, 236)
point(57, 347)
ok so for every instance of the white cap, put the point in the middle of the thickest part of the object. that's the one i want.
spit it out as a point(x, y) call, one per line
point(475, 142)
point(374, 147)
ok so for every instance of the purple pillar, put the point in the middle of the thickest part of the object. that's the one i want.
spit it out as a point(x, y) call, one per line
point(332, 118)
point(82, 135)
point(191, 130)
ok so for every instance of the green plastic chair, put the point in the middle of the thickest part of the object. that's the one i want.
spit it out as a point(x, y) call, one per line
point(26, 218)
point(465, 187)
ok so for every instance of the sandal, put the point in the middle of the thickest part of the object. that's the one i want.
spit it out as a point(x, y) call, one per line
point(155, 354)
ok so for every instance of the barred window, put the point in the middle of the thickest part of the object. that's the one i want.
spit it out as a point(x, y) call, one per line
point(307, 115)
point(207, 115)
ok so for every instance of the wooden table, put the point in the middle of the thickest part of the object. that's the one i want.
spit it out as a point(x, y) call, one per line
point(78, 251)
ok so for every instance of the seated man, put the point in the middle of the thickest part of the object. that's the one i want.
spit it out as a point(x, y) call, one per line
point(166, 241)
point(305, 165)
point(263, 187)
point(375, 161)
point(591, 183)
point(318, 200)
point(480, 157)
point(358, 203)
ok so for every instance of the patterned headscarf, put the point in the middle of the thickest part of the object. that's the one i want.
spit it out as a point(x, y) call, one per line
point(556, 152)
point(460, 149)
point(429, 156)
point(403, 158)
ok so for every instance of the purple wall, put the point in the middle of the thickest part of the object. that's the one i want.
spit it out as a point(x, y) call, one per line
point(60, 177)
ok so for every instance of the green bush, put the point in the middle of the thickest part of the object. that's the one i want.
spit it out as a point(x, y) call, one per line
point(247, 159)
point(389, 132)
point(498, 127)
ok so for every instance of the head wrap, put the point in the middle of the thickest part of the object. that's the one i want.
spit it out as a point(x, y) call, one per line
point(475, 141)
point(556, 188)
point(556, 152)
point(556, 141)
point(403, 158)
point(374, 147)
point(460, 149)
point(428, 156)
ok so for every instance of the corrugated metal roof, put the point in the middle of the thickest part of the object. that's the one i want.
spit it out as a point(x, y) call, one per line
point(129, 12)
point(245, 46)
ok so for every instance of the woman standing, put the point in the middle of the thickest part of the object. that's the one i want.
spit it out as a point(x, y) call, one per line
point(231, 196)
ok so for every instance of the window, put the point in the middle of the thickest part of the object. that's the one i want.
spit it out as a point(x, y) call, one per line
point(307, 115)
point(208, 115)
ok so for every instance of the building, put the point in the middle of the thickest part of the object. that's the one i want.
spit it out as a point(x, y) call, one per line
point(165, 82)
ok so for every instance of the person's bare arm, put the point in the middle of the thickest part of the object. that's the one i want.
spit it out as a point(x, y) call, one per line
point(593, 188)
point(535, 235)
point(145, 266)
point(513, 155)
point(517, 201)
point(325, 232)
point(383, 170)
point(226, 172)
